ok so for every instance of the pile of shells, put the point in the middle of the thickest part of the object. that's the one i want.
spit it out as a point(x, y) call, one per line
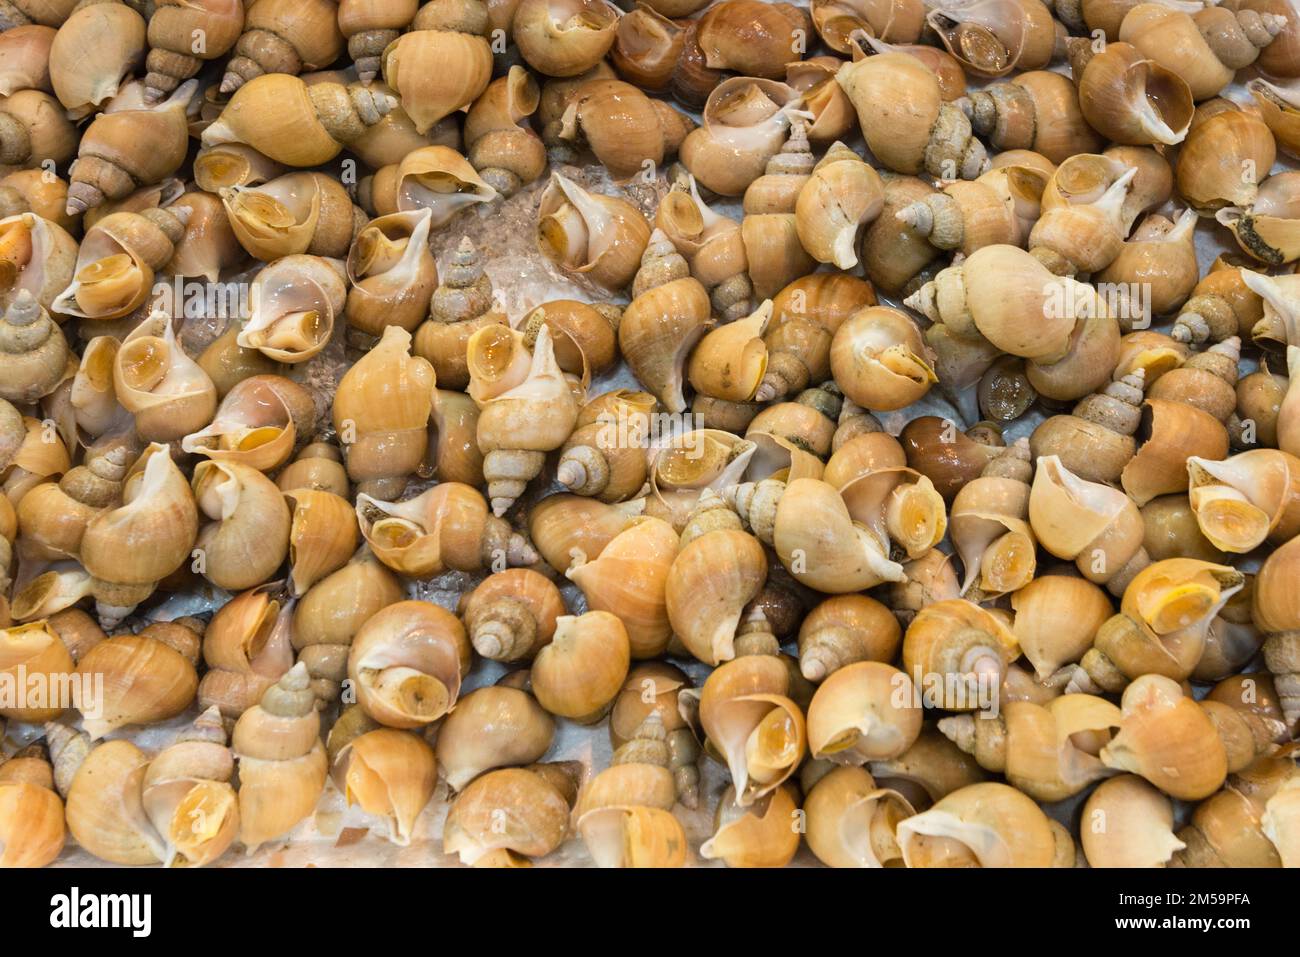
point(274, 372)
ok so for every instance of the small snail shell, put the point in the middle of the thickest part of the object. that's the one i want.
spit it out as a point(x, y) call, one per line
point(391, 272)
point(814, 535)
point(36, 256)
point(657, 687)
point(1056, 618)
point(145, 681)
point(33, 126)
point(949, 457)
point(1082, 235)
point(936, 136)
point(879, 359)
point(295, 301)
point(406, 663)
point(256, 424)
point(999, 207)
point(117, 261)
point(285, 37)
point(35, 352)
point(715, 246)
point(34, 649)
point(326, 618)
point(391, 775)
point(994, 37)
point(1096, 526)
point(37, 191)
point(1204, 48)
point(1245, 499)
point(894, 502)
point(894, 21)
point(492, 727)
point(1096, 440)
point(1269, 228)
point(431, 177)
point(233, 164)
point(1169, 433)
point(981, 825)
point(585, 337)
point(959, 645)
point(323, 535)
point(318, 466)
point(1159, 257)
point(606, 457)
point(282, 763)
point(990, 531)
point(1155, 353)
point(247, 648)
point(580, 672)
point(172, 29)
point(209, 244)
point(447, 526)
point(292, 214)
point(105, 809)
point(833, 116)
point(1038, 111)
point(711, 582)
point(498, 141)
point(629, 579)
point(745, 121)
point(462, 304)
point(1221, 306)
point(246, 537)
point(96, 50)
point(1168, 739)
point(785, 175)
point(25, 58)
point(1210, 166)
point(843, 630)
point(730, 361)
point(381, 410)
point(618, 123)
point(369, 26)
point(647, 47)
point(747, 715)
point(517, 427)
point(666, 318)
point(773, 251)
point(598, 236)
point(807, 421)
point(1128, 823)
point(765, 834)
point(563, 37)
point(129, 144)
point(150, 535)
point(31, 812)
point(1047, 751)
point(865, 711)
point(805, 316)
point(296, 123)
point(851, 821)
point(842, 195)
point(534, 811)
point(188, 796)
point(1132, 99)
point(511, 615)
point(745, 37)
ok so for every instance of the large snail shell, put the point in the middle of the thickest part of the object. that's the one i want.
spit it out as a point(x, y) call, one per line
point(504, 814)
point(437, 72)
point(105, 808)
point(852, 820)
point(1131, 99)
point(865, 711)
point(392, 272)
point(629, 579)
point(116, 263)
point(1174, 39)
point(173, 28)
point(390, 774)
point(247, 536)
point(582, 670)
point(284, 37)
point(1243, 500)
point(598, 236)
point(492, 727)
point(33, 649)
point(257, 424)
point(1169, 433)
point(25, 58)
point(36, 256)
point(745, 711)
point(745, 124)
point(750, 38)
point(150, 535)
point(761, 835)
point(31, 813)
point(512, 614)
point(730, 361)
point(145, 681)
point(1056, 619)
point(35, 352)
point(1269, 228)
point(880, 360)
point(1128, 823)
point(169, 394)
point(1168, 739)
point(295, 213)
point(1216, 155)
point(710, 583)
point(982, 825)
point(843, 630)
point(437, 178)
point(295, 301)
point(188, 796)
point(282, 763)
point(564, 37)
point(960, 646)
point(381, 409)
point(94, 52)
point(248, 648)
point(406, 664)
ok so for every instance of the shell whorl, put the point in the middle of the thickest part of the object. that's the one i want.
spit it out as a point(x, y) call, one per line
point(68, 749)
point(648, 744)
point(291, 696)
point(795, 157)
point(1013, 462)
point(938, 217)
point(1118, 407)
